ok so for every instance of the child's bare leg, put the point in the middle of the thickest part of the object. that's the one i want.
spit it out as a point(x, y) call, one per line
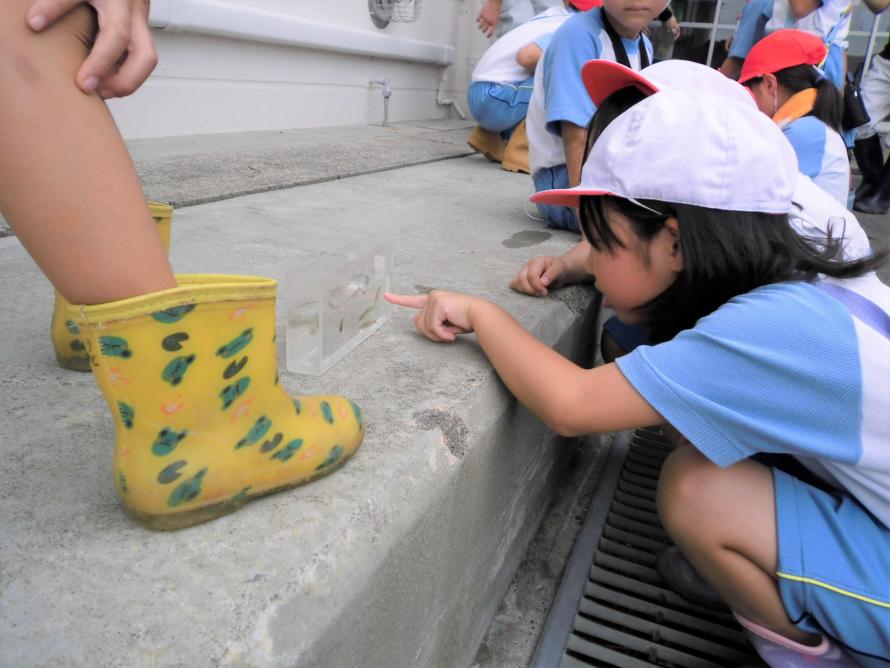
point(724, 520)
point(67, 185)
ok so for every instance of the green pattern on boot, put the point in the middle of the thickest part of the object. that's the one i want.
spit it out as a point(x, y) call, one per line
point(167, 441)
point(288, 450)
point(257, 431)
point(174, 372)
point(171, 315)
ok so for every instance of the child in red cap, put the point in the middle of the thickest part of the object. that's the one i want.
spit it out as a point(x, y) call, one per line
point(782, 71)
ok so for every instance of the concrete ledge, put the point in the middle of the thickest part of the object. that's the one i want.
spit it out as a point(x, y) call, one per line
point(197, 169)
point(399, 559)
point(204, 168)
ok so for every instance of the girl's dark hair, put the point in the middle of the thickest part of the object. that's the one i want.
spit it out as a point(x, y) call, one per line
point(829, 107)
point(725, 254)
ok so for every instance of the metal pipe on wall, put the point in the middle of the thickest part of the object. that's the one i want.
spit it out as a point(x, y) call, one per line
point(212, 17)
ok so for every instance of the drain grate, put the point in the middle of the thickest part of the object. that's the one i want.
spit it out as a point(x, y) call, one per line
point(611, 608)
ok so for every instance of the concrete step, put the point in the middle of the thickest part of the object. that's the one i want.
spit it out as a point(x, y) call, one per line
point(400, 558)
point(196, 169)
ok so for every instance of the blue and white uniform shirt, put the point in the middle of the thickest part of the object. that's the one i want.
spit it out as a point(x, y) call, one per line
point(821, 155)
point(498, 64)
point(795, 368)
point(560, 94)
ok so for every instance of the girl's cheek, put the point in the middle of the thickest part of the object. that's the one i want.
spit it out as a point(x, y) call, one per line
point(590, 263)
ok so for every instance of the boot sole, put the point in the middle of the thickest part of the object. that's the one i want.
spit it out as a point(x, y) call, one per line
point(487, 154)
point(870, 210)
point(191, 518)
point(513, 167)
point(74, 363)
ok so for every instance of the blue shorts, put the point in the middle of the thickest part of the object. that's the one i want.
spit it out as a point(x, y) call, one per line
point(834, 568)
point(561, 217)
point(499, 107)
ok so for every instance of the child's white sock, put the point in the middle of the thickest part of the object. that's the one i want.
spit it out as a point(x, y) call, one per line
point(780, 652)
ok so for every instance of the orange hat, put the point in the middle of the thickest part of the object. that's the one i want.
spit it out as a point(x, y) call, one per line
point(584, 5)
point(782, 49)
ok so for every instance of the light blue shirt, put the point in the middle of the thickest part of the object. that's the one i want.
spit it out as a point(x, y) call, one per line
point(786, 368)
point(581, 38)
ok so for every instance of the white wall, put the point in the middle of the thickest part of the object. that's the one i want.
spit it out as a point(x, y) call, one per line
point(242, 66)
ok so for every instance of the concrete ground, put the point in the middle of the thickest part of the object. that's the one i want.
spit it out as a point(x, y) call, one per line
point(399, 559)
point(73, 580)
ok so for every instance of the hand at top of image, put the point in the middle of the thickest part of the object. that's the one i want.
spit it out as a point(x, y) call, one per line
point(123, 53)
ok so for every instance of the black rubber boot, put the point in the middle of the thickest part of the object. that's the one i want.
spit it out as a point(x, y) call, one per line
point(879, 199)
point(869, 158)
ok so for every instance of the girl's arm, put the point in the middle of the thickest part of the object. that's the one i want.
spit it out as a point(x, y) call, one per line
point(546, 271)
point(877, 6)
point(570, 400)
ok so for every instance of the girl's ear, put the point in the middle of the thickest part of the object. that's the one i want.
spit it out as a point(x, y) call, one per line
point(672, 225)
point(772, 84)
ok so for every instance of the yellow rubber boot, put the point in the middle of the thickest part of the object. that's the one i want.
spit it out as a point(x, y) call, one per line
point(487, 143)
point(516, 154)
point(64, 331)
point(202, 424)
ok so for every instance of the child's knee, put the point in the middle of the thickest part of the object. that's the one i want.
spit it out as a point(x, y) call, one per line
point(683, 486)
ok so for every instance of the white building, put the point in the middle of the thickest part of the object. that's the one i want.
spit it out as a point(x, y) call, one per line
point(252, 65)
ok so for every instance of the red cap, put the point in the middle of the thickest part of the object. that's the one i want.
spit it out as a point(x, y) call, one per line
point(603, 77)
point(782, 49)
point(584, 5)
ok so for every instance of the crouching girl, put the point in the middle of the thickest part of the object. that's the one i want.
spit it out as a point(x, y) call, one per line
point(764, 342)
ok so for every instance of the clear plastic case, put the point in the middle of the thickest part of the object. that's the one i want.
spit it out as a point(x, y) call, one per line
point(334, 303)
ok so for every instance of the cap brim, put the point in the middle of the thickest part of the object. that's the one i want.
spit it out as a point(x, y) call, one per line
point(566, 196)
point(603, 77)
point(586, 5)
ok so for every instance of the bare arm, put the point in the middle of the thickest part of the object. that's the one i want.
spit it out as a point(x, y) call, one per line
point(123, 54)
point(574, 138)
point(489, 17)
point(576, 261)
point(877, 6)
point(731, 67)
point(545, 271)
point(800, 8)
point(569, 399)
point(528, 56)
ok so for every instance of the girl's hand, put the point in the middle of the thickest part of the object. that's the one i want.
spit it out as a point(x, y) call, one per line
point(539, 274)
point(442, 316)
point(123, 54)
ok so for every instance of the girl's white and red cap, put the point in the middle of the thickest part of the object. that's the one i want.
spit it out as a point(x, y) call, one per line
point(689, 147)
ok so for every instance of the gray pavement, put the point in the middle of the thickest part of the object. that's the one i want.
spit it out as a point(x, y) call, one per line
point(193, 170)
point(400, 558)
point(184, 171)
